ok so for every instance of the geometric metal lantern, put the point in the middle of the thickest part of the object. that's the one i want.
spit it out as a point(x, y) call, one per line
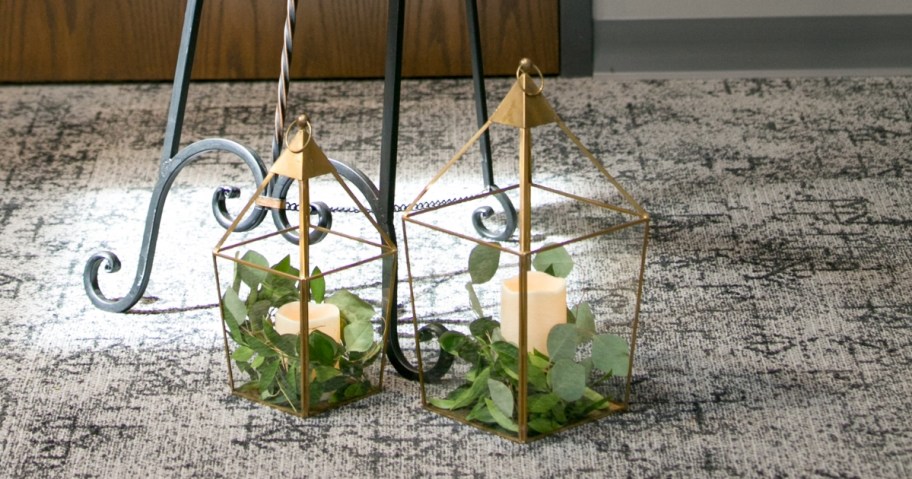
point(536, 334)
point(303, 326)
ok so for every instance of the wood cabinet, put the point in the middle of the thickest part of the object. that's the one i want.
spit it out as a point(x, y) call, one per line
point(114, 40)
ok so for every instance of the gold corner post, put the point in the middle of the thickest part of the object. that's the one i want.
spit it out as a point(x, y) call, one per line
point(525, 240)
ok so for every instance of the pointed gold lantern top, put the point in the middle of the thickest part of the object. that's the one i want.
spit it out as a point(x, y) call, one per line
point(525, 106)
point(301, 155)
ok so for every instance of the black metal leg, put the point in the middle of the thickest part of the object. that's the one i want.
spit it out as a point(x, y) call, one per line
point(481, 101)
point(172, 162)
point(388, 152)
point(481, 113)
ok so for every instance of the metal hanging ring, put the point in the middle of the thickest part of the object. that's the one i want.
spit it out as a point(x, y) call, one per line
point(526, 67)
point(303, 123)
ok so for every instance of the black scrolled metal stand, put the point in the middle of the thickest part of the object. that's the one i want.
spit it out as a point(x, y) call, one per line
point(380, 200)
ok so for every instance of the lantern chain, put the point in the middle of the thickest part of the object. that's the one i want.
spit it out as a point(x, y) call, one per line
point(290, 206)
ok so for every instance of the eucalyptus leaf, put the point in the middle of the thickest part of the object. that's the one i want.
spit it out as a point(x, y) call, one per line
point(325, 373)
point(252, 277)
point(242, 353)
point(286, 267)
point(499, 417)
point(257, 362)
point(597, 400)
point(278, 294)
point(288, 344)
point(278, 285)
point(542, 403)
point(269, 332)
point(587, 365)
point(261, 347)
point(496, 336)
point(543, 425)
point(248, 386)
point(480, 413)
point(251, 298)
point(507, 358)
point(368, 356)
point(452, 342)
point(483, 263)
point(483, 328)
point(473, 301)
point(442, 403)
point(555, 261)
point(234, 312)
point(294, 377)
point(359, 336)
point(538, 379)
point(236, 280)
point(290, 396)
point(323, 349)
point(539, 362)
point(506, 352)
point(258, 311)
point(351, 307)
point(317, 286)
point(245, 367)
point(334, 384)
point(568, 379)
point(610, 354)
point(559, 413)
point(474, 391)
point(316, 393)
point(502, 397)
point(585, 321)
point(267, 376)
point(357, 389)
point(562, 342)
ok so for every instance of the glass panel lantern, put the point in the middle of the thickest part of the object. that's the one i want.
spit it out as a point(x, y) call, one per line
point(302, 308)
point(533, 334)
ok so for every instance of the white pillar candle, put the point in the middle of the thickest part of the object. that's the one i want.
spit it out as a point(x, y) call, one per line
point(323, 317)
point(547, 307)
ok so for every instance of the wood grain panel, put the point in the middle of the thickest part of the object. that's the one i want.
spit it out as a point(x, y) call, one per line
point(112, 40)
point(52, 40)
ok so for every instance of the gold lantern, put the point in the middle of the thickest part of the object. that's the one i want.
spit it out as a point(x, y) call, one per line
point(303, 326)
point(538, 330)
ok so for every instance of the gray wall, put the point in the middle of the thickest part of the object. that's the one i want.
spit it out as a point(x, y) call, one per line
point(658, 38)
point(664, 9)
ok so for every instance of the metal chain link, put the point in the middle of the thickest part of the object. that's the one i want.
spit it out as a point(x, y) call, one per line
point(289, 206)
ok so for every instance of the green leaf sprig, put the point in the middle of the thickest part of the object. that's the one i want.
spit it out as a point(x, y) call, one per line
point(561, 388)
point(272, 361)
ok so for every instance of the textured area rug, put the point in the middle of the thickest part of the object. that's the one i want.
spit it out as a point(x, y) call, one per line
point(775, 331)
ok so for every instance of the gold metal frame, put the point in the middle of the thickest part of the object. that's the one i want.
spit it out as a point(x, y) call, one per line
point(525, 108)
point(301, 160)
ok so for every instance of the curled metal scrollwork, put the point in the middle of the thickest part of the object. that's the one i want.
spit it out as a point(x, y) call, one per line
point(444, 360)
point(485, 212)
point(168, 172)
point(432, 373)
point(280, 216)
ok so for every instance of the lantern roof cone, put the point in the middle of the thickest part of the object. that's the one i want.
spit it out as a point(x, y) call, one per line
point(525, 106)
point(302, 156)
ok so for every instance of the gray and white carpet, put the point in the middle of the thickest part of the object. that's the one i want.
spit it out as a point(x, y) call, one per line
point(775, 332)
